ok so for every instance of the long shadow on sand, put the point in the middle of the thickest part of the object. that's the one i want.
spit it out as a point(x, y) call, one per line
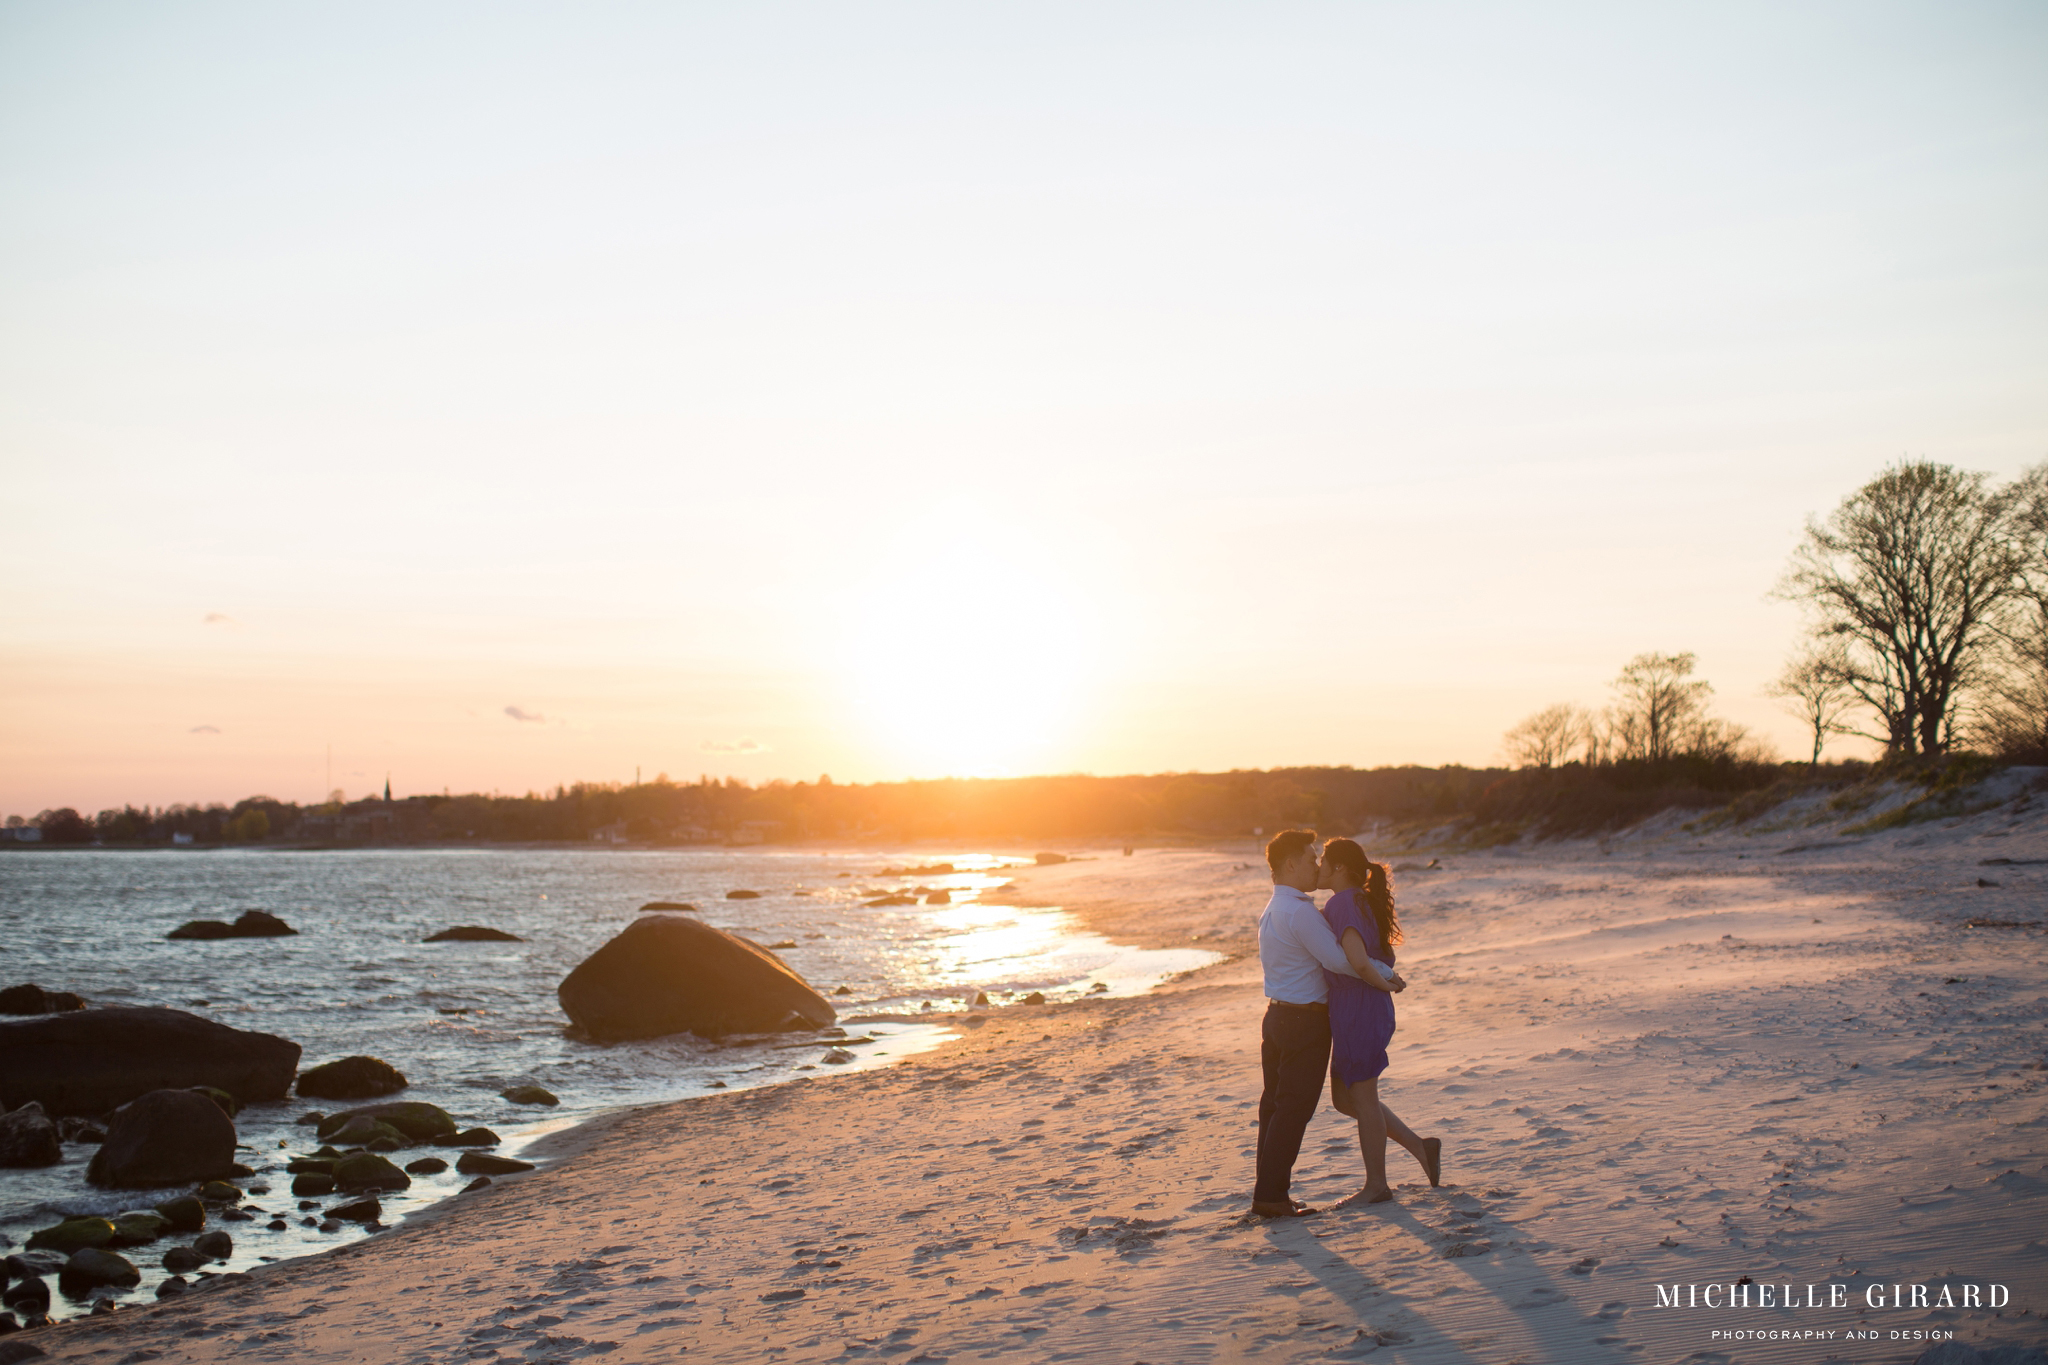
point(1506, 1307)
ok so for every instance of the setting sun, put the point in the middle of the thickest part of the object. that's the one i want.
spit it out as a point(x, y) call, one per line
point(966, 653)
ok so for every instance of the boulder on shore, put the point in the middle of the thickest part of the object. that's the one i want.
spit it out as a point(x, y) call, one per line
point(672, 974)
point(29, 998)
point(89, 1061)
point(167, 1137)
point(472, 933)
point(248, 924)
point(95, 1267)
point(29, 1138)
point(351, 1078)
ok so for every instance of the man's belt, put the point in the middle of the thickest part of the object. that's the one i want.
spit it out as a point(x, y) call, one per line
point(1318, 1007)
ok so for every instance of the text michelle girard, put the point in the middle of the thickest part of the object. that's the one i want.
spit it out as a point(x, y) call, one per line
point(1747, 1293)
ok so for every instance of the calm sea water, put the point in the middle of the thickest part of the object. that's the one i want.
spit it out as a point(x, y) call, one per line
point(466, 1020)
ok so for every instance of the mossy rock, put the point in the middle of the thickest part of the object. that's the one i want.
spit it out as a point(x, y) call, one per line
point(530, 1094)
point(185, 1213)
point(75, 1234)
point(314, 1165)
point(134, 1229)
point(426, 1165)
point(220, 1192)
point(363, 1130)
point(409, 1120)
point(361, 1171)
point(94, 1267)
point(312, 1183)
point(472, 1137)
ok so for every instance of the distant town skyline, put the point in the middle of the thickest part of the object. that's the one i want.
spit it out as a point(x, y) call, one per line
point(507, 398)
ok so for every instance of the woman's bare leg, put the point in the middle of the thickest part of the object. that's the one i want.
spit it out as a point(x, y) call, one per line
point(1372, 1139)
point(1400, 1132)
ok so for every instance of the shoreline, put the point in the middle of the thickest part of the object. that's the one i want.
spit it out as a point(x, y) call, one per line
point(1066, 1179)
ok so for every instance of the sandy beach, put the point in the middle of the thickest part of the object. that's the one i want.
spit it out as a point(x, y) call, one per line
point(1665, 1060)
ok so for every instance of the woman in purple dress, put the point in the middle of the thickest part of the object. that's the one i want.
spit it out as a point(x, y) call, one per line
point(1361, 915)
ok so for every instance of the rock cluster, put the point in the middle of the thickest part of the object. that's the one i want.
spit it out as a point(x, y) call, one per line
point(248, 924)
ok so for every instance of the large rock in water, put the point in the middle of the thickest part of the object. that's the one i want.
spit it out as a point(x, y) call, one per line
point(673, 974)
point(167, 1137)
point(89, 1061)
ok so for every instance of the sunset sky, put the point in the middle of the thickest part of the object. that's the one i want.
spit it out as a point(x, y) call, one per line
point(501, 395)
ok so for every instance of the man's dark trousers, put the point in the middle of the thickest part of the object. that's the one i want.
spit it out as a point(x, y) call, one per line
point(1294, 1051)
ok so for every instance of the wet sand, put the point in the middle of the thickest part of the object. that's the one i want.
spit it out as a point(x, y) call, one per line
point(1669, 1061)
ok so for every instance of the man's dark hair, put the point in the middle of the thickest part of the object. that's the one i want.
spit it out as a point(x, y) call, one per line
point(1286, 845)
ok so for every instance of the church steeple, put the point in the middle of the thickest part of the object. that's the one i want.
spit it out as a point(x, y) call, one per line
point(387, 789)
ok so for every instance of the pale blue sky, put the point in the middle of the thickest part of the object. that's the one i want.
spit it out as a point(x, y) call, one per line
point(1239, 384)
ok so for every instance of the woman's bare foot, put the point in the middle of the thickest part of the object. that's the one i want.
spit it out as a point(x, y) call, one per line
point(1433, 1159)
point(1367, 1194)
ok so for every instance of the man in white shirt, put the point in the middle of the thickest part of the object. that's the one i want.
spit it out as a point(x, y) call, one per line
point(1295, 945)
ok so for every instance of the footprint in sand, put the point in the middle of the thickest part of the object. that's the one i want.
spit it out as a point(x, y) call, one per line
point(1540, 1297)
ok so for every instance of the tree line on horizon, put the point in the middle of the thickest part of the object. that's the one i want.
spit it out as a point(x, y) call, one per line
point(1926, 601)
point(1926, 597)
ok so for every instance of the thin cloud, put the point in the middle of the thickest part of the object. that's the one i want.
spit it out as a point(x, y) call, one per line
point(744, 746)
point(204, 730)
point(219, 618)
point(521, 714)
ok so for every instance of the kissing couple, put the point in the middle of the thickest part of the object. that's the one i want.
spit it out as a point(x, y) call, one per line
point(1330, 988)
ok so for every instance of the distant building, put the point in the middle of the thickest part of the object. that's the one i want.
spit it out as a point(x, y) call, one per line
point(610, 834)
point(22, 834)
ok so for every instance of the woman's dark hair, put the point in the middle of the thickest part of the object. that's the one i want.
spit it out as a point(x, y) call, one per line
point(1374, 887)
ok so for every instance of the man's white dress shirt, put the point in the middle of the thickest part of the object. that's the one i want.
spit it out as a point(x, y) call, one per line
point(1295, 944)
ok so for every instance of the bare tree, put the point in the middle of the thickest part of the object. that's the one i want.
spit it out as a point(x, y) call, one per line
point(1549, 737)
point(1815, 687)
point(2012, 717)
point(1657, 712)
point(1908, 577)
